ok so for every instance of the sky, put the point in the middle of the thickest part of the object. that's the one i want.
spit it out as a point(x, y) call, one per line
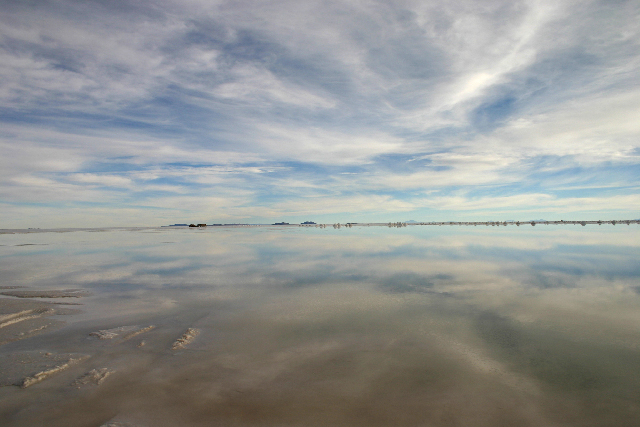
point(133, 112)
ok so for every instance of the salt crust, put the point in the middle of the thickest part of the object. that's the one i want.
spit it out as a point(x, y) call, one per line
point(118, 423)
point(186, 338)
point(12, 318)
point(43, 375)
point(128, 332)
point(93, 377)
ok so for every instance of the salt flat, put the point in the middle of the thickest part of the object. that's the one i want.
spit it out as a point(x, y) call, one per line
point(321, 326)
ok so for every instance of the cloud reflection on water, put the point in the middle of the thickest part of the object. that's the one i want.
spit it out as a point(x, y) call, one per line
point(404, 326)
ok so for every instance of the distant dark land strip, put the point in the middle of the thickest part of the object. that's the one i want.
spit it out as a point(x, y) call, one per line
point(336, 225)
point(533, 223)
point(411, 223)
point(486, 223)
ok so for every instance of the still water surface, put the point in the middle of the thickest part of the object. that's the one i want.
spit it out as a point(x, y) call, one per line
point(368, 326)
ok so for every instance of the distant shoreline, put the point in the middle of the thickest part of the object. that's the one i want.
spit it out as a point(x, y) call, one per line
point(439, 223)
point(337, 225)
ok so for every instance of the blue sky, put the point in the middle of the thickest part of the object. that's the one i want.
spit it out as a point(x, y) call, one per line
point(157, 112)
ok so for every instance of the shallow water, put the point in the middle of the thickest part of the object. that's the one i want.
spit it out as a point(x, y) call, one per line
point(371, 326)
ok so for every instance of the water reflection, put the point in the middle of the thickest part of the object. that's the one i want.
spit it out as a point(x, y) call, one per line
point(358, 326)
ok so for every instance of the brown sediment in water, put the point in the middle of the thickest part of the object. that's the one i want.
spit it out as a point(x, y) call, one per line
point(186, 338)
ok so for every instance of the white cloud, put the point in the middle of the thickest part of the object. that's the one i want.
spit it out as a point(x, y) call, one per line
point(318, 145)
point(106, 180)
point(592, 129)
point(537, 202)
point(356, 205)
point(255, 85)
